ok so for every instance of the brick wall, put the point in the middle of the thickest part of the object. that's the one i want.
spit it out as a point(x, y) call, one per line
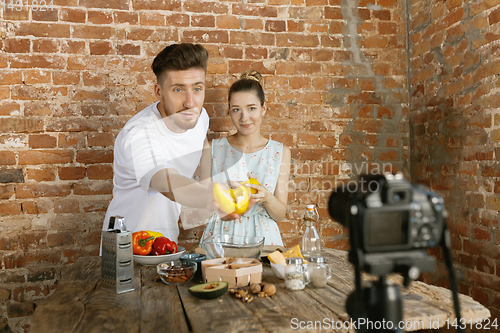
point(455, 116)
point(72, 75)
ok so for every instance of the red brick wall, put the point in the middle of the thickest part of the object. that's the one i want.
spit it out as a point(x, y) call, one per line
point(71, 76)
point(455, 102)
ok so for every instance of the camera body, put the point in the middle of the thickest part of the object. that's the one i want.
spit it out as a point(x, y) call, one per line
point(388, 214)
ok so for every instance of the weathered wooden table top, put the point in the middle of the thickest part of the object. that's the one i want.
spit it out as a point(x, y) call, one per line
point(80, 305)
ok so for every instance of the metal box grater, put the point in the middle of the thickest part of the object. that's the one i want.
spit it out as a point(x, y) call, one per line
point(117, 268)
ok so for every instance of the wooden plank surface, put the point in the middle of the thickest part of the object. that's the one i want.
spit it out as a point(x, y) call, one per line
point(161, 305)
point(80, 305)
point(224, 314)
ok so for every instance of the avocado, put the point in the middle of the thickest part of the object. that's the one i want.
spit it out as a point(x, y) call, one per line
point(209, 290)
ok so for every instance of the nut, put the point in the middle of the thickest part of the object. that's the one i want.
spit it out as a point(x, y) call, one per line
point(255, 288)
point(247, 299)
point(261, 294)
point(269, 289)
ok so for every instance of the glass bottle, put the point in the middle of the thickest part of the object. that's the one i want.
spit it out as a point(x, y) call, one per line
point(319, 272)
point(311, 242)
point(296, 276)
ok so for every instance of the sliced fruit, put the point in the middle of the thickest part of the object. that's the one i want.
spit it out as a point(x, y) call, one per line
point(242, 197)
point(224, 199)
point(277, 258)
point(231, 201)
point(251, 181)
point(293, 252)
point(209, 290)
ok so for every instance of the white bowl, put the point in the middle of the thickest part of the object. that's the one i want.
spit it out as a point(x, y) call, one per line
point(155, 260)
point(279, 270)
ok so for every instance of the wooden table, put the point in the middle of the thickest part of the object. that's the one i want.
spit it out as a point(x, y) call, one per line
point(80, 305)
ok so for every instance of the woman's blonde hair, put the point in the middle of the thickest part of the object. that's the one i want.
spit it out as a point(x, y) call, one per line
point(249, 81)
point(252, 75)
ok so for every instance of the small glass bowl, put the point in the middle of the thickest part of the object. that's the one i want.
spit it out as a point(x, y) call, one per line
point(175, 272)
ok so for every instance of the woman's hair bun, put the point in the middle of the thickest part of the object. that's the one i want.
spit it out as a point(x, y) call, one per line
point(251, 75)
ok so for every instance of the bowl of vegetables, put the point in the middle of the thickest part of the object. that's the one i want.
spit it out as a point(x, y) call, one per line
point(152, 248)
point(175, 272)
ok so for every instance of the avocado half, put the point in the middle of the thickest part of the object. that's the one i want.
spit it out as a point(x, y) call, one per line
point(209, 290)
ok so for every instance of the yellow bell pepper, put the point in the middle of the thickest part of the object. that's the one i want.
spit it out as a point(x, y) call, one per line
point(155, 234)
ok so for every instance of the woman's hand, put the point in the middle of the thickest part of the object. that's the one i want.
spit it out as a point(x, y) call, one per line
point(262, 194)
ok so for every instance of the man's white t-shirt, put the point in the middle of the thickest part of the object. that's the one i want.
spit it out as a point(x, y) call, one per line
point(144, 146)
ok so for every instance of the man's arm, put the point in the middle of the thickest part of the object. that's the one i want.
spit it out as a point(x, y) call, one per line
point(206, 163)
point(181, 189)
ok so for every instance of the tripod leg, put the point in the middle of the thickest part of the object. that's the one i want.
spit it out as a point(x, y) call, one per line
point(384, 307)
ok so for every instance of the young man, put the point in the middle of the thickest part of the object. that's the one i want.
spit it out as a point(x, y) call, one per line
point(159, 149)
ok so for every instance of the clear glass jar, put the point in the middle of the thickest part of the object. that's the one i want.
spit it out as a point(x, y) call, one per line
point(311, 241)
point(319, 272)
point(295, 275)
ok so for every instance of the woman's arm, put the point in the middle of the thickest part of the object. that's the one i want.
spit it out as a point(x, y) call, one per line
point(276, 205)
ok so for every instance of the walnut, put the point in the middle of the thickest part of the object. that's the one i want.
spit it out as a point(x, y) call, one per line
point(255, 288)
point(269, 289)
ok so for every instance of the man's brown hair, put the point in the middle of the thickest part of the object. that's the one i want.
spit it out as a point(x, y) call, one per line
point(181, 56)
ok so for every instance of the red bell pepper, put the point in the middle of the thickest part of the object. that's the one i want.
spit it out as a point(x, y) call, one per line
point(163, 245)
point(172, 247)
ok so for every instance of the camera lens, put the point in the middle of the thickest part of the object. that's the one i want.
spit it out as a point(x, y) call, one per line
point(399, 196)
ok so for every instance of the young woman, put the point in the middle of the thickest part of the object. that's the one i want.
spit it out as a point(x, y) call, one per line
point(248, 154)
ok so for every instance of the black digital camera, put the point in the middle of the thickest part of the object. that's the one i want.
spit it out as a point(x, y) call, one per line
point(391, 224)
point(390, 213)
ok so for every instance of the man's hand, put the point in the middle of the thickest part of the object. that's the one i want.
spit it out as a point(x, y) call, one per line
point(232, 216)
point(235, 216)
